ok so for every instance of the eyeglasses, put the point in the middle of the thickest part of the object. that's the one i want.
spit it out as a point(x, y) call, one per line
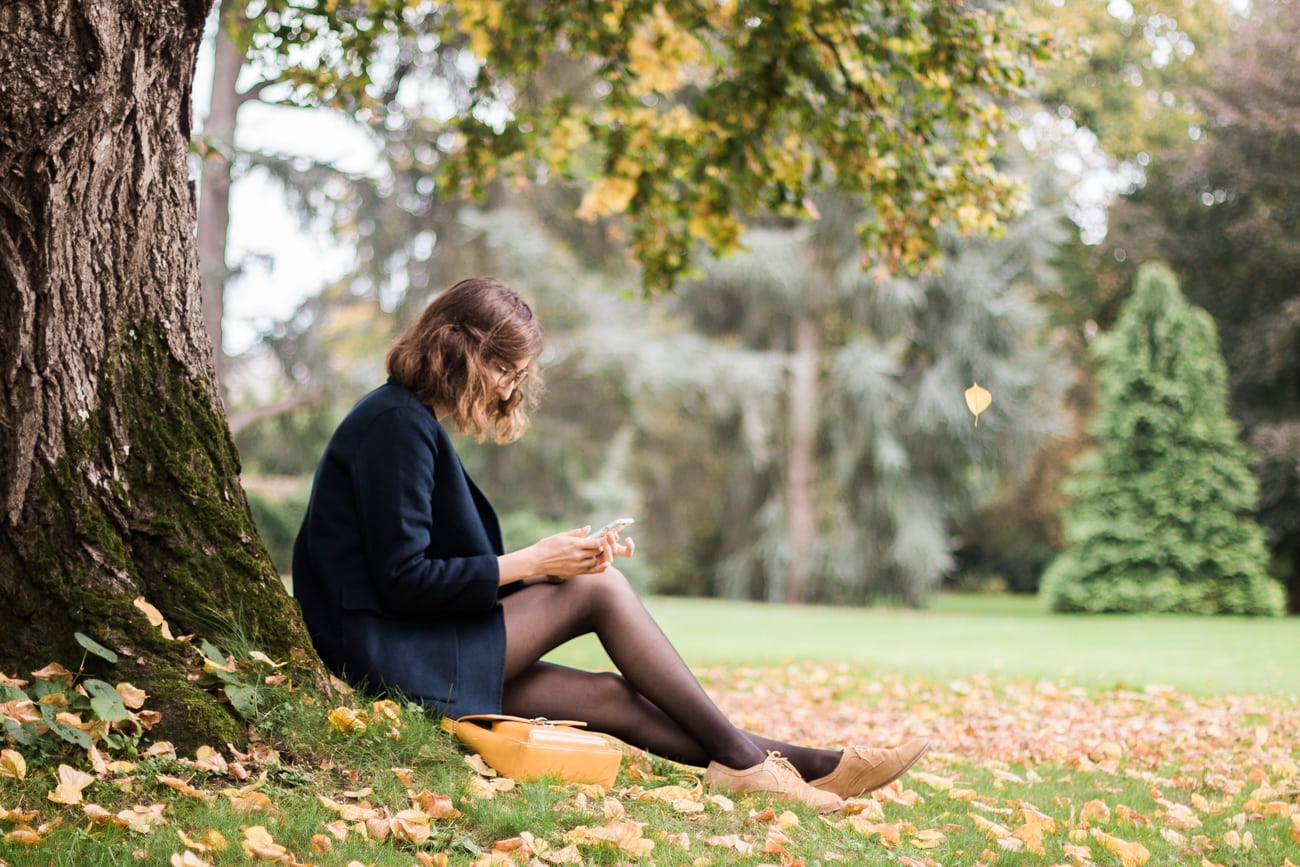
point(506, 376)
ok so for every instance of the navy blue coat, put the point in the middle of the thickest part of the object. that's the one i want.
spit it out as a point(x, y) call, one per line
point(395, 565)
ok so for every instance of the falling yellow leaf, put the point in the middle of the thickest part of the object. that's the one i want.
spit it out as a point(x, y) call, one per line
point(71, 782)
point(978, 399)
point(12, 764)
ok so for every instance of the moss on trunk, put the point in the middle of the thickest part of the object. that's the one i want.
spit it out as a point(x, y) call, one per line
point(146, 502)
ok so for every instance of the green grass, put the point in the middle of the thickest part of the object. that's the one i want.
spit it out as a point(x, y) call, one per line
point(999, 636)
point(1033, 713)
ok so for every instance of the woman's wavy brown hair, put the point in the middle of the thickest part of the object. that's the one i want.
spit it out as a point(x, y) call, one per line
point(448, 357)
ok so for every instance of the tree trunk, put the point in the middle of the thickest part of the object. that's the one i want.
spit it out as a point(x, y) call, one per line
point(214, 194)
point(801, 506)
point(118, 474)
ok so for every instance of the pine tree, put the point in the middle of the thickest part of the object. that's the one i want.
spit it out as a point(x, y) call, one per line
point(1160, 517)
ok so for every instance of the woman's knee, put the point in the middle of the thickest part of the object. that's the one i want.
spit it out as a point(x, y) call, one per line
point(602, 589)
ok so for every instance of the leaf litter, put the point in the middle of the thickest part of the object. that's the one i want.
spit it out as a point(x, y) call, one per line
point(1037, 772)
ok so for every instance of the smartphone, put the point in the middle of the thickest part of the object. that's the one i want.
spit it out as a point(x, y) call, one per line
point(617, 525)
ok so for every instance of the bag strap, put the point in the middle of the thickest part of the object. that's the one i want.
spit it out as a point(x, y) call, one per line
point(503, 717)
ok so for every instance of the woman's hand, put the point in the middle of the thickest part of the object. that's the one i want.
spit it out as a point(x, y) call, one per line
point(558, 558)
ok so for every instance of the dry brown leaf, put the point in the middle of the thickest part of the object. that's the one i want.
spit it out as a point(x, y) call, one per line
point(731, 841)
point(53, 672)
point(132, 696)
point(1129, 854)
point(1095, 811)
point(70, 785)
point(259, 844)
point(12, 765)
point(188, 859)
point(182, 786)
point(210, 840)
point(154, 616)
point(142, 818)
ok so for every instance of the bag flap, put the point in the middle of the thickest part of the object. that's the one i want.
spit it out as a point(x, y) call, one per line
point(490, 718)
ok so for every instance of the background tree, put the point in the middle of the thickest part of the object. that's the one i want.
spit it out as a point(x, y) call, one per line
point(1161, 518)
point(1224, 211)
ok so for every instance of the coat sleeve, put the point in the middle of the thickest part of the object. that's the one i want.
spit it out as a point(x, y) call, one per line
point(395, 483)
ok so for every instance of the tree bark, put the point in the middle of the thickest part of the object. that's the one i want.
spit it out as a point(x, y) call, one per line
point(118, 474)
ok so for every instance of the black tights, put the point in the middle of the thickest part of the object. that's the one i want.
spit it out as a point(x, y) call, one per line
point(654, 703)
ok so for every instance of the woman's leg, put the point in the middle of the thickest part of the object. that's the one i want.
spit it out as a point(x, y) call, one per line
point(656, 703)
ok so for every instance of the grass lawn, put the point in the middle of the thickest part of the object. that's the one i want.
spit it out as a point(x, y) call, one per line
point(999, 636)
point(1078, 741)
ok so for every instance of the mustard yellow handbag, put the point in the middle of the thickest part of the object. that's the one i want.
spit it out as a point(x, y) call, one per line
point(529, 749)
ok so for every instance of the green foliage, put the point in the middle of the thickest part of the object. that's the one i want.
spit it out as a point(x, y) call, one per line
point(689, 118)
point(1161, 517)
point(1127, 71)
point(1224, 211)
point(277, 523)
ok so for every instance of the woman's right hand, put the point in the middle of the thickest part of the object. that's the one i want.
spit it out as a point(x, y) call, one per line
point(558, 557)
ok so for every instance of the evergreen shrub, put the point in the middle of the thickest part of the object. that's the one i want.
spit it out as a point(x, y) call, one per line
point(1160, 512)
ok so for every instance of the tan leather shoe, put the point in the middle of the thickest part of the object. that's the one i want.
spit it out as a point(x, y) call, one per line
point(775, 777)
point(864, 769)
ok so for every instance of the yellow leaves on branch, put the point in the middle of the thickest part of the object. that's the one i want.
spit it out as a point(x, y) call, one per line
point(607, 196)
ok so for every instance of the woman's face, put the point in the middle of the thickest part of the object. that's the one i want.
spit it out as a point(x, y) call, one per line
point(508, 376)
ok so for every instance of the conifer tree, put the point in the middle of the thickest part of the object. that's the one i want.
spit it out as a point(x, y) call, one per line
point(1160, 516)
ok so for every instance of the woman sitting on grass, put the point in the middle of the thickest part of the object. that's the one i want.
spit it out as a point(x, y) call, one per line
point(404, 582)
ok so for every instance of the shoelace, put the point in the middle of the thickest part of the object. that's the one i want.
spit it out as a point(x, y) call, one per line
point(782, 762)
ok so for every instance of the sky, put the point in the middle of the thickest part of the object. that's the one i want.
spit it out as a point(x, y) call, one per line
point(282, 261)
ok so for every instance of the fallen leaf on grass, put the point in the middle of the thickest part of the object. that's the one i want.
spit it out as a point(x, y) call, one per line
point(1095, 811)
point(258, 843)
point(188, 859)
point(890, 834)
point(211, 840)
point(183, 787)
point(934, 781)
point(731, 841)
point(12, 764)
point(625, 835)
point(1129, 854)
point(71, 783)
